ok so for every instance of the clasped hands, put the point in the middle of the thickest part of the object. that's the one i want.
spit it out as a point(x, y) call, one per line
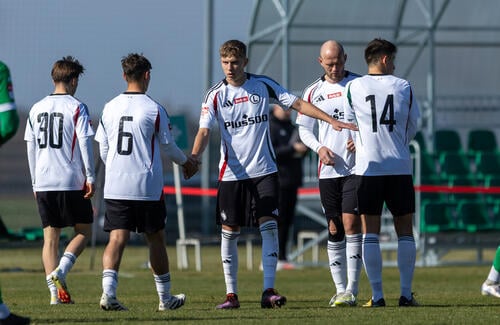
point(190, 167)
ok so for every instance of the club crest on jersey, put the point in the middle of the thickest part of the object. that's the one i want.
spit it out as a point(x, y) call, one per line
point(254, 98)
point(246, 121)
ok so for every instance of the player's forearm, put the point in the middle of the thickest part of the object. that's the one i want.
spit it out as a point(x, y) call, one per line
point(87, 153)
point(31, 150)
point(174, 153)
point(103, 151)
point(309, 139)
point(200, 142)
point(309, 109)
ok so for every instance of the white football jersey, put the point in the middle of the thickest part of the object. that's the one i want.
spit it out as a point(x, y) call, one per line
point(132, 128)
point(386, 112)
point(328, 97)
point(56, 124)
point(242, 114)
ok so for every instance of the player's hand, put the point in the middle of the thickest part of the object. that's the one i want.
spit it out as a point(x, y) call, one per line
point(337, 125)
point(351, 146)
point(190, 167)
point(89, 190)
point(326, 156)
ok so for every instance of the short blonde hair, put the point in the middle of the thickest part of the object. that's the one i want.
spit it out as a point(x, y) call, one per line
point(233, 48)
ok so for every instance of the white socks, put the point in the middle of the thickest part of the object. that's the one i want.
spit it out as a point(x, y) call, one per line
point(354, 261)
point(338, 264)
point(407, 253)
point(372, 259)
point(229, 255)
point(162, 283)
point(270, 250)
point(109, 282)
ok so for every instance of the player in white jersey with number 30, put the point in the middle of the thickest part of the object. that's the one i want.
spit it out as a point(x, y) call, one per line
point(132, 131)
point(248, 190)
point(59, 141)
point(386, 113)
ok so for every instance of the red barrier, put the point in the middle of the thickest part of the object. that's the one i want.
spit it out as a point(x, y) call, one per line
point(306, 191)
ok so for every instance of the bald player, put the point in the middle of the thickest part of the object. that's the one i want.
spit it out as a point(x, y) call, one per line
point(335, 172)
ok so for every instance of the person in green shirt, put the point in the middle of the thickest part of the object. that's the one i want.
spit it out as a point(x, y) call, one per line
point(9, 123)
point(9, 119)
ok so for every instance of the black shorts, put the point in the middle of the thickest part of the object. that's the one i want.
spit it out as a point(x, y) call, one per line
point(396, 191)
point(139, 216)
point(243, 202)
point(61, 209)
point(338, 195)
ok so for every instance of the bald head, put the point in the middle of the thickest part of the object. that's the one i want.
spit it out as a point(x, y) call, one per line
point(331, 48)
point(332, 59)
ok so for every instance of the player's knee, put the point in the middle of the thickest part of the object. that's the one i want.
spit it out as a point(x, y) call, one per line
point(336, 230)
point(336, 236)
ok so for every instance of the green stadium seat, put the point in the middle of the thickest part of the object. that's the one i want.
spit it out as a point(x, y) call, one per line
point(419, 138)
point(426, 197)
point(496, 214)
point(438, 217)
point(457, 180)
point(447, 140)
point(428, 166)
point(430, 176)
point(474, 216)
point(481, 140)
point(487, 163)
point(492, 181)
point(455, 164)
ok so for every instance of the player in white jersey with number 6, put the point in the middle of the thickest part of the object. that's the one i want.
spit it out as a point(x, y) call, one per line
point(248, 191)
point(59, 141)
point(132, 131)
point(386, 112)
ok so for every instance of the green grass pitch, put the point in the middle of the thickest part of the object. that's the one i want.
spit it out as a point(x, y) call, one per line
point(449, 295)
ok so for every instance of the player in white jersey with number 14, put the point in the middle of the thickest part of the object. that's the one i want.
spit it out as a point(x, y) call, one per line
point(248, 190)
point(387, 113)
point(59, 141)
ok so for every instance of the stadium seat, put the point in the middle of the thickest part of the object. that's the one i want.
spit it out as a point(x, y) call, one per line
point(481, 140)
point(447, 140)
point(453, 164)
point(496, 214)
point(474, 216)
point(487, 163)
point(419, 138)
point(426, 196)
point(458, 180)
point(438, 217)
point(492, 181)
point(428, 166)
